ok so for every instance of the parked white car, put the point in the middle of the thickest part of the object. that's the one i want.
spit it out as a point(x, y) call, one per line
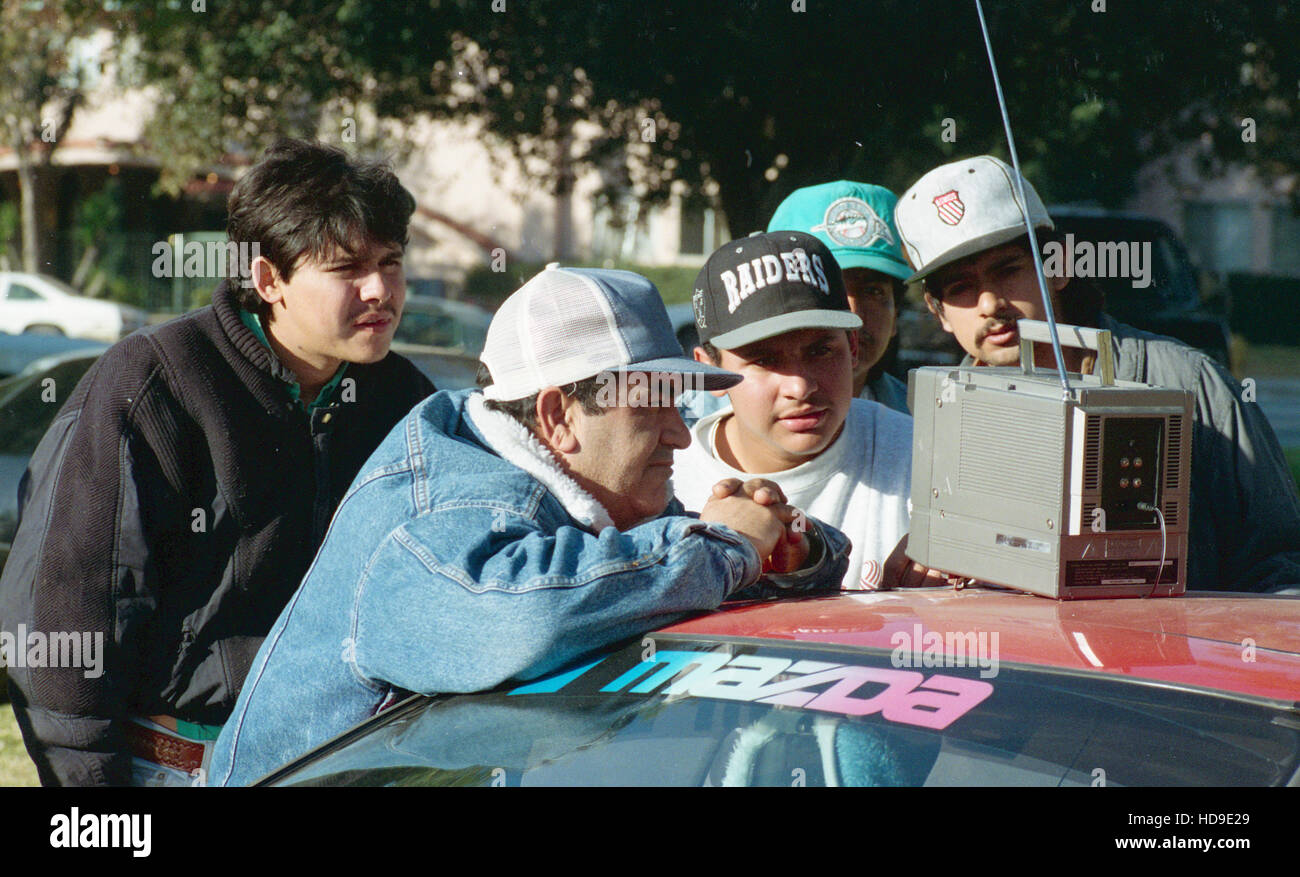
point(39, 303)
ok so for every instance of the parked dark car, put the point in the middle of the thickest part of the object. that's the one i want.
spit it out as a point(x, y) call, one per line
point(20, 352)
point(28, 403)
point(1181, 301)
point(438, 322)
point(448, 369)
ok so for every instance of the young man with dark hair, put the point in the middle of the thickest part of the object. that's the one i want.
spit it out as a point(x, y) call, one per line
point(856, 223)
point(772, 307)
point(182, 491)
point(963, 228)
point(504, 533)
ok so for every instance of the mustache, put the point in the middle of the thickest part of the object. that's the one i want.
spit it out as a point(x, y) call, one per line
point(384, 311)
point(999, 323)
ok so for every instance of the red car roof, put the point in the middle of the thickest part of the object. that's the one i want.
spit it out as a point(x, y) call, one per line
point(1239, 643)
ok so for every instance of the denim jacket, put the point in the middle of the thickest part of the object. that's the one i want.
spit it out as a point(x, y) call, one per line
point(462, 557)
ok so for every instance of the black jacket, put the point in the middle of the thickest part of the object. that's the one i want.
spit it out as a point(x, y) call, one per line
point(173, 507)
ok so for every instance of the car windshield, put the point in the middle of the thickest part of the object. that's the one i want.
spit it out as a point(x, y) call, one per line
point(672, 712)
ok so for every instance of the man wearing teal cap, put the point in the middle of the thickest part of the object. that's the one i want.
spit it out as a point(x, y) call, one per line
point(856, 221)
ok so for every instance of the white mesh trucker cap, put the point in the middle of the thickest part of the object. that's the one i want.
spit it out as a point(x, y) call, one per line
point(570, 324)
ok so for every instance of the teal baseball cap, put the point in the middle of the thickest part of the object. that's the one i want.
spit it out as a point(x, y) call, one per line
point(854, 220)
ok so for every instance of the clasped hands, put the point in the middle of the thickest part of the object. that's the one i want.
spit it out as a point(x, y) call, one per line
point(757, 509)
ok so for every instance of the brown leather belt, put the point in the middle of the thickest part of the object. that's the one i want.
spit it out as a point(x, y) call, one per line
point(164, 749)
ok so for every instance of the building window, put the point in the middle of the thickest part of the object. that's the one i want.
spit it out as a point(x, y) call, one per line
point(619, 231)
point(1221, 235)
point(693, 221)
point(1285, 254)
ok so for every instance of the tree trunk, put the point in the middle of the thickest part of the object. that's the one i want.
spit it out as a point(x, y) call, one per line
point(84, 266)
point(739, 193)
point(562, 245)
point(27, 179)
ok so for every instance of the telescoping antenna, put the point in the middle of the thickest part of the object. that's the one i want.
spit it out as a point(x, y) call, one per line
point(1024, 211)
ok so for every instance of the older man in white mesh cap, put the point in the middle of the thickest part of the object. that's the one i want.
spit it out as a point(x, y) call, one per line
point(503, 533)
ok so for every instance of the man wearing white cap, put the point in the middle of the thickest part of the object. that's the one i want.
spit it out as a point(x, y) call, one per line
point(502, 534)
point(962, 227)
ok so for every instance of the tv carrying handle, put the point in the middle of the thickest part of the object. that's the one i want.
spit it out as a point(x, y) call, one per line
point(1082, 337)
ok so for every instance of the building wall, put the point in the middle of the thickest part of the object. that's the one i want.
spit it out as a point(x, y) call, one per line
point(1233, 222)
point(458, 171)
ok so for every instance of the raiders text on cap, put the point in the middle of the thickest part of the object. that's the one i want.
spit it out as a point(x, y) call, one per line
point(749, 277)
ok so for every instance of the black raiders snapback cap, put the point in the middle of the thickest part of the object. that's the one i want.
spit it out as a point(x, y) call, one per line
point(769, 284)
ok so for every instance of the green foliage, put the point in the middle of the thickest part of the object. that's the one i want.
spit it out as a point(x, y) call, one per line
point(236, 76)
point(117, 288)
point(44, 76)
point(98, 215)
point(674, 283)
point(9, 225)
point(201, 296)
point(489, 288)
point(753, 98)
point(16, 769)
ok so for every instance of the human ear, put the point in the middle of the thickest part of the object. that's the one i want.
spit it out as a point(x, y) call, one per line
point(702, 355)
point(554, 420)
point(936, 308)
point(266, 280)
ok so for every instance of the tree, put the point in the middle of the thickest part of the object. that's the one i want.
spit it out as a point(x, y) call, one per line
point(43, 77)
point(743, 100)
point(232, 76)
point(756, 98)
point(98, 216)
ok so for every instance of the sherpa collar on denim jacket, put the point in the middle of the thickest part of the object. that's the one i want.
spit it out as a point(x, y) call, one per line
point(515, 443)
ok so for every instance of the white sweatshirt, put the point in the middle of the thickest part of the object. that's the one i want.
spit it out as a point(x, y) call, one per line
point(860, 484)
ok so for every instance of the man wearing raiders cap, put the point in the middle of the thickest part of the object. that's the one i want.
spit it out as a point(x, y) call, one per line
point(962, 227)
point(501, 534)
point(856, 222)
point(772, 307)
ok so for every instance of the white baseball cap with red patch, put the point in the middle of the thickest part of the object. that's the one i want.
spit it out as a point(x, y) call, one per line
point(962, 208)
